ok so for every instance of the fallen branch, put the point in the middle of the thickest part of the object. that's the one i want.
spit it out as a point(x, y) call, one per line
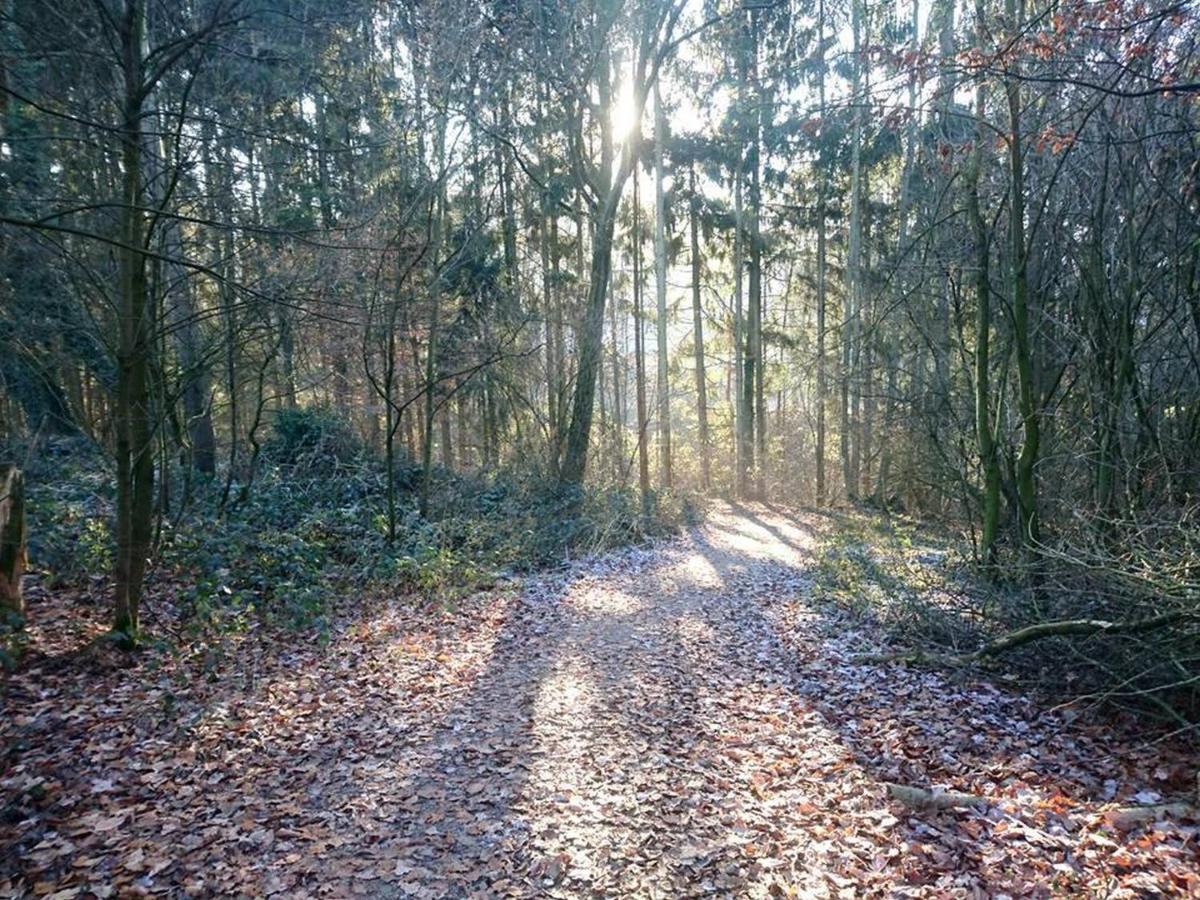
point(1131, 816)
point(920, 798)
point(1040, 631)
point(1123, 817)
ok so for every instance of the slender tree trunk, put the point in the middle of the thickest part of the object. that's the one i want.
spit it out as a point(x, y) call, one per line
point(1026, 474)
point(447, 445)
point(435, 314)
point(755, 381)
point(618, 396)
point(134, 444)
point(866, 366)
point(822, 192)
point(698, 334)
point(660, 285)
point(391, 422)
point(988, 458)
point(590, 345)
point(197, 387)
point(850, 349)
point(229, 317)
point(552, 415)
point(639, 355)
point(12, 544)
point(743, 443)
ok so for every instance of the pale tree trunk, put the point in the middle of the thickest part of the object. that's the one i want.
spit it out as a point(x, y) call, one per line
point(618, 414)
point(756, 369)
point(435, 313)
point(639, 354)
point(1026, 476)
point(866, 367)
point(444, 426)
point(882, 483)
point(552, 416)
point(988, 458)
point(822, 192)
point(554, 324)
point(890, 350)
point(853, 294)
point(229, 317)
point(743, 423)
point(660, 284)
point(698, 334)
point(504, 156)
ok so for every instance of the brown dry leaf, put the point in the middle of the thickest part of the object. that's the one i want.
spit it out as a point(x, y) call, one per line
point(666, 720)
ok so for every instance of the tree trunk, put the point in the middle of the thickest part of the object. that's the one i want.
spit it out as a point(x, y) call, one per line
point(698, 335)
point(591, 340)
point(822, 191)
point(618, 414)
point(660, 284)
point(743, 423)
point(552, 412)
point(754, 385)
point(197, 388)
point(639, 355)
point(435, 312)
point(1026, 475)
point(134, 443)
point(988, 458)
point(12, 540)
point(854, 283)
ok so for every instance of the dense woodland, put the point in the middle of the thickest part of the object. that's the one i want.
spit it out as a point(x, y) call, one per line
point(940, 259)
point(311, 304)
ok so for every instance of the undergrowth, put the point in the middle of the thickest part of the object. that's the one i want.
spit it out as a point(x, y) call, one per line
point(922, 587)
point(310, 533)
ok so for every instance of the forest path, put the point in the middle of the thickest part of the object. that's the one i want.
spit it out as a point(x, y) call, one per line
point(675, 720)
point(637, 729)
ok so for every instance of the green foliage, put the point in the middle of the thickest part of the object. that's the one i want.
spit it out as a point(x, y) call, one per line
point(313, 530)
point(888, 570)
point(68, 513)
point(312, 441)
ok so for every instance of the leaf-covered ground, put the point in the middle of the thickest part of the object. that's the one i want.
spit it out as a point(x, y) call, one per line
point(670, 721)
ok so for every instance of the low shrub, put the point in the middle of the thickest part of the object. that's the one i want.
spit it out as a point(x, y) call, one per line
point(313, 528)
point(312, 441)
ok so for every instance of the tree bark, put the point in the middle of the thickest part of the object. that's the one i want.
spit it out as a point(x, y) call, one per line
point(12, 540)
point(1026, 475)
point(854, 282)
point(134, 442)
point(639, 355)
point(822, 191)
point(698, 335)
point(660, 284)
point(988, 458)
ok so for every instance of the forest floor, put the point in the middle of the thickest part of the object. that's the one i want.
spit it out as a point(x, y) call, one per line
point(666, 721)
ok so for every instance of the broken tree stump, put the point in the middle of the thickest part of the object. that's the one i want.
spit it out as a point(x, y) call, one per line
point(12, 539)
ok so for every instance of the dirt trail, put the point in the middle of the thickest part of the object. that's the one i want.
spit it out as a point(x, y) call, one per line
point(669, 721)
